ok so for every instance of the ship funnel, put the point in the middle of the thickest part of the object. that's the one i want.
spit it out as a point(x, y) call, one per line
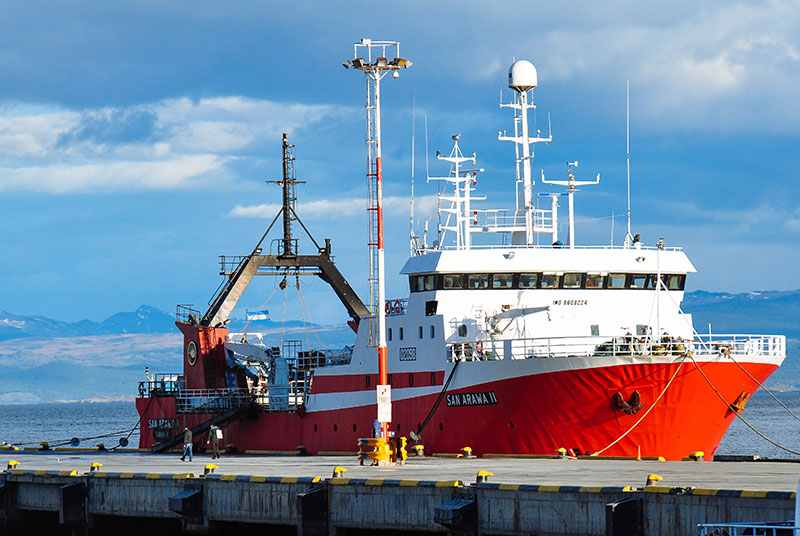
point(522, 76)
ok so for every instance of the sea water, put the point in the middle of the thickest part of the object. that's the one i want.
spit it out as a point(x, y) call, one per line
point(30, 424)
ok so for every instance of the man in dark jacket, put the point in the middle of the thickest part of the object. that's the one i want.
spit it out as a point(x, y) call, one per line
point(187, 444)
point(213, 437)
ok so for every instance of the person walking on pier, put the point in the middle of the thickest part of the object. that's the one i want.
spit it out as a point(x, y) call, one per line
point(214, 435)
point(187, 444)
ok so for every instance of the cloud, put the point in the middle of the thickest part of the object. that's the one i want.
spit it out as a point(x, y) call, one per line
point(168, 144)
point(177, 172)
point(345, 207)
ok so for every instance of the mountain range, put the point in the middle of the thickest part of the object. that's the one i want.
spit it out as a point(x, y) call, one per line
point(145, 319)
point(46, 360)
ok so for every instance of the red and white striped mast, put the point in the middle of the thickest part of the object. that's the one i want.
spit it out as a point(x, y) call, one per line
point(372, 58)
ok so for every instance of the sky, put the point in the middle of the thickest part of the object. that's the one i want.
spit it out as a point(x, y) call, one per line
point(136, 137)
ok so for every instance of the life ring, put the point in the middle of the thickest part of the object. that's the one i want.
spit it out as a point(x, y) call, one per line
point(479, 347)
point(398, 307)
point(387, 308)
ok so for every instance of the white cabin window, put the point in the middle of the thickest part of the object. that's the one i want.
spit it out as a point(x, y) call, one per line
point(615, 281)
point(572, 280)
point(596, 281)
point(595, 330)
point(528, 280)
point(502, 280)
point(453, 281)
point(478, 281)
point(550, 281)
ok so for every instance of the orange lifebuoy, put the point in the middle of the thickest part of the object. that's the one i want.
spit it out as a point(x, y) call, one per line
point(387, 308)
point(479, 347)
point(398, 307)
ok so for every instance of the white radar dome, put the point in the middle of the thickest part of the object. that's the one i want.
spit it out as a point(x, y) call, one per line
point(522, 76)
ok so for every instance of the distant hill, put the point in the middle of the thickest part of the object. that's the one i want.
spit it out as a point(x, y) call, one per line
point(762, 313)
point(145, 319)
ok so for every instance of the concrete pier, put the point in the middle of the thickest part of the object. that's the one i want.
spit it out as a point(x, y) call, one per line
point(57, 493)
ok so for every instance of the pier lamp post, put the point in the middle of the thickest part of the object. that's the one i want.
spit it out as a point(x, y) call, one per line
point(371, 57)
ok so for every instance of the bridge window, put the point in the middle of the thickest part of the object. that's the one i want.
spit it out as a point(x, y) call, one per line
point(595, 281)
point(419, 283)
point(615, 281)
point(674, 282)
point(573, 280)
point(528, 280)
point(638, 280)
point(476, 281)
point(502, 281)
point(550, 281)
point(452, 281)
point(462, 330)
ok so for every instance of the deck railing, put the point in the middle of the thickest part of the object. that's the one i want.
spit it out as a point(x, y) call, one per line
point(596, 346)
point(746, 529)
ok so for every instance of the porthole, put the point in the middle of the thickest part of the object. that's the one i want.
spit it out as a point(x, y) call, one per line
point(441, 426)
point(315, 427)
point(335, 427)
point(354, 427)
point(511, 424)
point(191, 353)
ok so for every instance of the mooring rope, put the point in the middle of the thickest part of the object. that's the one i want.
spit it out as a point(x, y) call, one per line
point(761, 385)
point(753, 428)
point(653, 405)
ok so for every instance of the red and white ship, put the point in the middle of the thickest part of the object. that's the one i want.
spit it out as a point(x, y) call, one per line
point(509, 342)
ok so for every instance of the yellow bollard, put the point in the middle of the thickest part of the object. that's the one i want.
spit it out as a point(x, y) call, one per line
point(338, 472)
point(483, 476)
point(209, 468)
point(95, 467)
point(653, 479)
point(12, 464)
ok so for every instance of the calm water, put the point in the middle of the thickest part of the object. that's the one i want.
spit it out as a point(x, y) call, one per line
point(32, 423)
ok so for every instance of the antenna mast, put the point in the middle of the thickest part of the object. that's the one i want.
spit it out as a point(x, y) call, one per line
point(374, 63)
point(628, 236)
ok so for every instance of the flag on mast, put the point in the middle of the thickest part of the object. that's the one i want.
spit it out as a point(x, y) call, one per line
point(258, 315)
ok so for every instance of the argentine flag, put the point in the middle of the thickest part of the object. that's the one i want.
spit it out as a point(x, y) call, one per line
point(258, 315)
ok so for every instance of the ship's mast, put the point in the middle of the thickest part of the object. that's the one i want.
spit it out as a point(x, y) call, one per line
point(371, 58)
point(522, 78)
point(571, 183)
point(460, 203)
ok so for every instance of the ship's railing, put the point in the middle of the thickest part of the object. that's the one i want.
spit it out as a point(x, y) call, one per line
point(596, 346)
point(549, 246)
point(161, 384)
point(211, 400)
point(743, 529)
point(185, 314)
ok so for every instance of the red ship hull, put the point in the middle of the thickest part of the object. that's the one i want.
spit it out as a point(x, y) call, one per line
point(533, 414)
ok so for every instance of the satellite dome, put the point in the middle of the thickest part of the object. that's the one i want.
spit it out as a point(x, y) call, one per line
point(522, 76)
